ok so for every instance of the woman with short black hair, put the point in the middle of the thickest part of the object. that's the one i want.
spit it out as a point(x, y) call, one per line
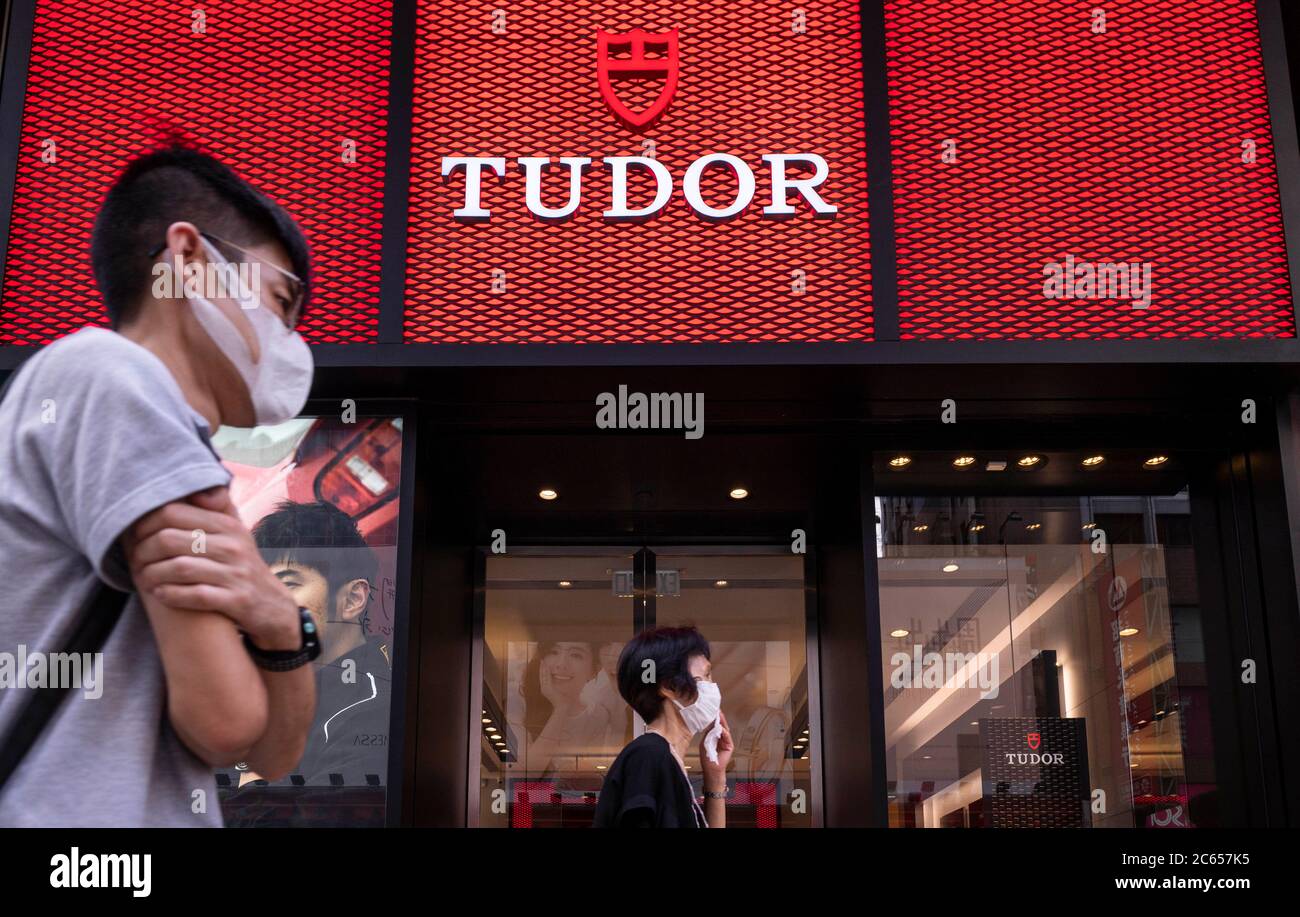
point(666, 676)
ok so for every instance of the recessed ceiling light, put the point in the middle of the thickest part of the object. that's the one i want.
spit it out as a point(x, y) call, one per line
point(926, 757)
point(899, 632)
point(1156, 461)
point(900, 461)
point(950, 568)
point(1089, 525)
point(1093, 461)
point(739, 493)
point(977, 526)
point(547, 494)
point(1029, 461)
point(487, 719)
point(921, 528)
point(491, 729)
point(721, 584)
point(1129, 631)
point(1033, 526)
point(974, 722)
point(566, 584)
point(600, 767)
point(962, 461)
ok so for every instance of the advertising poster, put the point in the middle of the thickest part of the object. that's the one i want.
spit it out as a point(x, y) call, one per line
point(321, 498)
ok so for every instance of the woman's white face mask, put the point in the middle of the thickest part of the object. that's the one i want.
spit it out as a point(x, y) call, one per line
point(279, 381)
point(704, 713)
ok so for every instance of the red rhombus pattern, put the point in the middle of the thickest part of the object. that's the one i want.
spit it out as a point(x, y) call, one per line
point(749, 84)
point(1117, 146)
point(274, 90)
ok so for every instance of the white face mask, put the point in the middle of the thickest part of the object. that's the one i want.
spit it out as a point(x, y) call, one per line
point(278, 384)
point(702, 714)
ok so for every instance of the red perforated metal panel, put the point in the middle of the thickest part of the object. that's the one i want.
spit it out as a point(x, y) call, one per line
point(1117, 146)
point(750, 82)
point(274, 90)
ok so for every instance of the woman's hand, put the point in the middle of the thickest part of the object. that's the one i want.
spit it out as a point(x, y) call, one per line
point(715, 775)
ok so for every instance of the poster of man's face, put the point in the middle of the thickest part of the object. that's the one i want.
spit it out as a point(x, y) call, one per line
point(321, 498)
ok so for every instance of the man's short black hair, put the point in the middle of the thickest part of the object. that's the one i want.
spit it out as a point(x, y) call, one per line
point(319, 536)
point(180, 184)
point(671, 649)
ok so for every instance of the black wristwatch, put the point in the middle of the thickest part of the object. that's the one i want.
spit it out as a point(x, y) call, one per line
point(288, 660)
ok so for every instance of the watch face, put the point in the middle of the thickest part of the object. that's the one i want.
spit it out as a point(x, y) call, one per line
point(310, 634)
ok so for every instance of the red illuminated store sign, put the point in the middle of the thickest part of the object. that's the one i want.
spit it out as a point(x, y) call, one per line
point(656, 172)
point(685, 172)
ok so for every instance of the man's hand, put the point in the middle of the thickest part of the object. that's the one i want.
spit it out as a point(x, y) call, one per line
point(199, 556)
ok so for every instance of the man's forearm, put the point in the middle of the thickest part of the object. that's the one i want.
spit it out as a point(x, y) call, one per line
point(291, 698)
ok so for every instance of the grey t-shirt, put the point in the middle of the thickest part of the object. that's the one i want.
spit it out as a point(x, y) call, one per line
point(94, 433)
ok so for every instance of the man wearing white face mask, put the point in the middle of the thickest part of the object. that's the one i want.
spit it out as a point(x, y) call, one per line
point(666, 676)
point(110, 478)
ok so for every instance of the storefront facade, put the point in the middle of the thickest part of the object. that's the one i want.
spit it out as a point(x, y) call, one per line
point(950, 389)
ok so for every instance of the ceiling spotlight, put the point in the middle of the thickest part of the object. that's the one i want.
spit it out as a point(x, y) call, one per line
point(1089, 525)
point(1029, 461)
point(1033, 526)
point(900, 461)
point(739, 493)
point(1093, 461)
point(600, 767)
point(1156, 461)
point(566, 584)
point(1129, 631)
point(977, 526)
point(487, 719)
point(721, 584)
point(491, 729)
point(547, 494)
point(899, 632)
point(921, 528)
point(962, 461)
point(950, 568)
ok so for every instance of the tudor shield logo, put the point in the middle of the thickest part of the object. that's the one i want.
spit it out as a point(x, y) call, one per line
point(1034, 739)
point(621, 58)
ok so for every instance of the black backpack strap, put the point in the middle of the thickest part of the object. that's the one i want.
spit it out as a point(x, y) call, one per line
point(95, 620)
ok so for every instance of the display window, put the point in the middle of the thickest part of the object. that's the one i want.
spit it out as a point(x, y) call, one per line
point(551, 719)
point(1043, 663)
point(321, 498)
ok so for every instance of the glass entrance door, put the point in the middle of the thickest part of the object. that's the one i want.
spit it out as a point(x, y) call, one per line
point(550, 720)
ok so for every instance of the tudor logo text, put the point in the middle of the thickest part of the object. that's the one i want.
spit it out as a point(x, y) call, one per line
point(1035, 741)
point(787, 171)
point(640, 56)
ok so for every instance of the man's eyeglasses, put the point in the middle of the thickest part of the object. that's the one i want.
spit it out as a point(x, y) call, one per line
point(297, 288)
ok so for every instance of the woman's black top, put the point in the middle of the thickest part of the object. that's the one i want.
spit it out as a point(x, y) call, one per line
point(645, 787)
